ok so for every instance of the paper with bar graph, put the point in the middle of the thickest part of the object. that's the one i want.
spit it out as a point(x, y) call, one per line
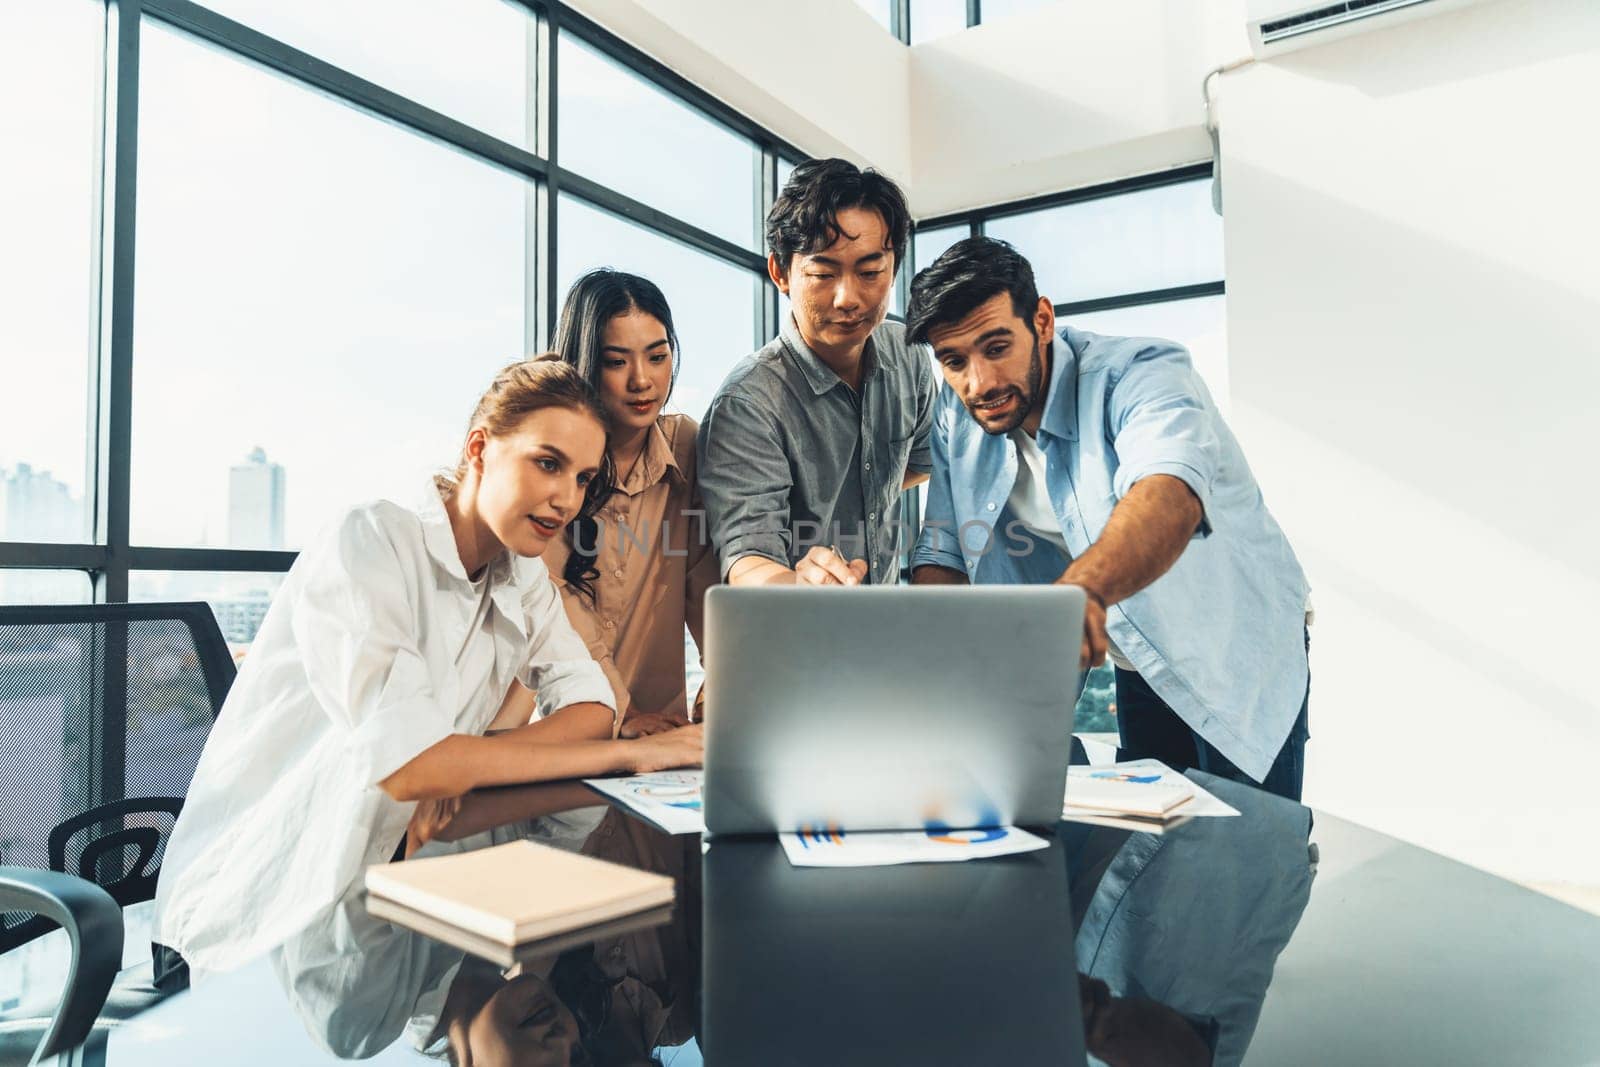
point(833, 847)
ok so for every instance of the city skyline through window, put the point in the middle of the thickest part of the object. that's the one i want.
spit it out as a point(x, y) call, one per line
point(327, 276)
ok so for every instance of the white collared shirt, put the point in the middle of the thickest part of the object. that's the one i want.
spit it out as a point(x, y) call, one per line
point(377, 647)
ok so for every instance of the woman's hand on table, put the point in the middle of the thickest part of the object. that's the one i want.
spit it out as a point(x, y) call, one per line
point(649, 723)
point(680, 747)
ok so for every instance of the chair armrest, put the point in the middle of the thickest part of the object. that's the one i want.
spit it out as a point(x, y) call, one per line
point(93, 922)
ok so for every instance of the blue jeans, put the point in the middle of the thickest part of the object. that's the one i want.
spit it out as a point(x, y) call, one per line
point(1148, 728)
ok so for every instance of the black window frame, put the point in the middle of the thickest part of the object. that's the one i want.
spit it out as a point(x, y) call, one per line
point(978, 219)
point(110, 557)
point(900, 18)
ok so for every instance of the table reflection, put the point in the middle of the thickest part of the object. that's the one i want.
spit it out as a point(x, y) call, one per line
point(617, 1001)
point(1130, 948)
point(1195, 918)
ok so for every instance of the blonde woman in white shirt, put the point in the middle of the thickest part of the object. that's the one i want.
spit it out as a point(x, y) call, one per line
point(384, 657)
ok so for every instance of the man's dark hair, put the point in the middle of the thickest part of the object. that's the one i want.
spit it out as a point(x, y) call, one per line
point(969, 272)
point(805, 218)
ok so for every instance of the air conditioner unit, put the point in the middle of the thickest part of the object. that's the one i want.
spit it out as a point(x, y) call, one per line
point(1279, 26)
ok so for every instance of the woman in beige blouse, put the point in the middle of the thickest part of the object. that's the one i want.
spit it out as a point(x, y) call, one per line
point(635, 575)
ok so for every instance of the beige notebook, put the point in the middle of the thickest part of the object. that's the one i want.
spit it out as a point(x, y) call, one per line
point(506, 955)
point(1149, 800)
point(519, 891)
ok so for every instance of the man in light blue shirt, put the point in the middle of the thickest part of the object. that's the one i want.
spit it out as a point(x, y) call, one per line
point(1102, 462)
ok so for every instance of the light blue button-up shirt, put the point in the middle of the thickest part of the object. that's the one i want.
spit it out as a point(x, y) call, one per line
point(1220, 637)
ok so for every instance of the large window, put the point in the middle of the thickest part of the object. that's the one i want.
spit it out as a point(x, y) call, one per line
point(362, 288)
point(619, 129)
point(49, 57)
point(1140, 258)
point(260, 269)
point(1155, 239)
point(45, 587)
point(239, 600)
point(917, 21)
point(713, 303)
point(472, 60)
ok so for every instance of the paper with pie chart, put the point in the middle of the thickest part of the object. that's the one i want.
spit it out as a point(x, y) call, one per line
point(668, 800)
point(832, 847)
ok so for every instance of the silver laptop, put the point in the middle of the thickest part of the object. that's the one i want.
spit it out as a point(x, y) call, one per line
point(888, 708)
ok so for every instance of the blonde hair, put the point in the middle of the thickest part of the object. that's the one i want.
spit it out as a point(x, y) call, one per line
point(519, 390)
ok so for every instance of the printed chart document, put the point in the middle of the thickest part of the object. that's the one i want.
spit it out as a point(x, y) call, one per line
point(1144, 795)
point(513, 894)
point(668, 800)
point(883, 848)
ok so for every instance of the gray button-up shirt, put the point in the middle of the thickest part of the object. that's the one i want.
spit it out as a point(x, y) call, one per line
point(792, 457)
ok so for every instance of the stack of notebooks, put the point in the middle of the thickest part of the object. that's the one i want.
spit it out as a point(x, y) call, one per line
point(519, 900)
point(1149, 802)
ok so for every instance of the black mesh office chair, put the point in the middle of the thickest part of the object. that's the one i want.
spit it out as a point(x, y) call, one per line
point(104, 709)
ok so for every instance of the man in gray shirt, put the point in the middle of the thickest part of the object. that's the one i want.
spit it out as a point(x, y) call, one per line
point(808, 444)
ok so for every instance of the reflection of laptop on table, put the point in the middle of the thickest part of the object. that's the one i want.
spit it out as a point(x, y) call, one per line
point(888, 708)
point(963, 963)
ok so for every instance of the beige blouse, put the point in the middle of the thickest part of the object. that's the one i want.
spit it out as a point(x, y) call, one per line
point(655, 563)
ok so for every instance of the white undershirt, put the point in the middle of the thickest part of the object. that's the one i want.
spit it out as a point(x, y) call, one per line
point(1030, 505)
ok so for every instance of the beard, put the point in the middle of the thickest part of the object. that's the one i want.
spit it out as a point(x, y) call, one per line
point(1027, 396)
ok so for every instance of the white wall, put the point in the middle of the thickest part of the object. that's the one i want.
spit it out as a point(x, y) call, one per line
point(1071, 94)
point(1414, 322)
point(821, 74)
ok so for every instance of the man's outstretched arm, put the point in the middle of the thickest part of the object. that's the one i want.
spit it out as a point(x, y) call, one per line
point(1147, 532)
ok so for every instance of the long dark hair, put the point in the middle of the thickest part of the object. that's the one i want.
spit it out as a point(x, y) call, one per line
point(592, 302)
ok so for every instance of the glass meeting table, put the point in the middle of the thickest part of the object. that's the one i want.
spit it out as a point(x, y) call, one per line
point(1224, 940)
